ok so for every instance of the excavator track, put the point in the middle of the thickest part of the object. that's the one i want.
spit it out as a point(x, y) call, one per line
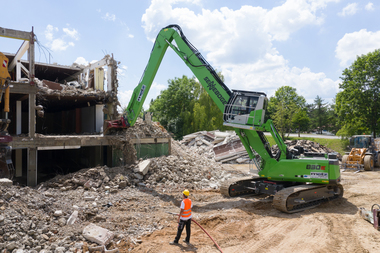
point(290, 199)
point(302, 197)
point(227, 189)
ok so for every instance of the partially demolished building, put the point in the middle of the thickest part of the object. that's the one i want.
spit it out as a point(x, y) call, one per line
point(57, 114)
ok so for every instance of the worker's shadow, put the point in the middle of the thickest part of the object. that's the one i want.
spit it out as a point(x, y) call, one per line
point(187, 248)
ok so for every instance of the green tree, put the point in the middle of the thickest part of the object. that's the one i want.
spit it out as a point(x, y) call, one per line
point(207, 115)
point(357, 105)
point(301, 120)
point(332, 118)
point(186, 107)
point(319, 119)
point(283, 106)
point(171, 108)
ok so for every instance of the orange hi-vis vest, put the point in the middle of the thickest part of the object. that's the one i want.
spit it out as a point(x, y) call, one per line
point(187, 210)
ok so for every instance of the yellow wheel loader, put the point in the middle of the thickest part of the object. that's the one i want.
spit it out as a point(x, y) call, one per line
point(364, 153)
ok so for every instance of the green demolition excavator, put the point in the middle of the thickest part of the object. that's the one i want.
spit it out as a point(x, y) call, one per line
point(297, 179)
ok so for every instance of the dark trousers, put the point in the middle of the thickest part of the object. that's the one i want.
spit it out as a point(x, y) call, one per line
point(181, 225)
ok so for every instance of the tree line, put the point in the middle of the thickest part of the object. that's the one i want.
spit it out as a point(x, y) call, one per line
point(185, 107)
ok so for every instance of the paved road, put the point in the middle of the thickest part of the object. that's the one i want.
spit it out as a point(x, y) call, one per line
point(324, 136)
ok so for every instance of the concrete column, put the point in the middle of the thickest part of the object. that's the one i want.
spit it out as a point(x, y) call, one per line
point(18, 117)
point(31, 58)
point(32, 167)
point(32, 115)
point(18, 162)
point(99, 118)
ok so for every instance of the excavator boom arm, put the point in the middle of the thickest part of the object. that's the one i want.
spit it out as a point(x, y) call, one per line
point(172, 36)
point(206, 75)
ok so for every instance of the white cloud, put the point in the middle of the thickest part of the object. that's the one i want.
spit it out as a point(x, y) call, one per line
point(110, 17)
point(71, 33)
point(272, 72)
point(240, 42)
point(131, 36)
point(81, 61)
point(356, 43)
point(59, 44)
point(350, 9)
point(49, 32)
point(369, 7)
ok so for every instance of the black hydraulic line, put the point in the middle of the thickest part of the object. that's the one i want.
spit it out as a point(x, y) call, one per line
point(265, 141)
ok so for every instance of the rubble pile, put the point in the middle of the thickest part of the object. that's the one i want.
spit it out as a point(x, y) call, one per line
point(222, 147)
point(309, 146)
point(66, 89)
point(52, 217)
point(226, 147)
point(185, 169)
point(143, 129)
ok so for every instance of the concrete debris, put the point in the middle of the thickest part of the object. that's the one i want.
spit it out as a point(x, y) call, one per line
point(5, 182)
point(226, 147)
point(98, 234)
point(122, 140)
point(72, 218)
point(309, 146)
point(143, 167)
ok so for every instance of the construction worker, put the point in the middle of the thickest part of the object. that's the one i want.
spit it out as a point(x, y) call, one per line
point(184, 218)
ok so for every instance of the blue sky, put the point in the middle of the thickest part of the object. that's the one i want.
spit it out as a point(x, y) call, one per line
point(258, 45)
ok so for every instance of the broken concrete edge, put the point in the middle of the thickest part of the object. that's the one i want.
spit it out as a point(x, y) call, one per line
point(5, 182)
point(97, 234)
point(143, 167)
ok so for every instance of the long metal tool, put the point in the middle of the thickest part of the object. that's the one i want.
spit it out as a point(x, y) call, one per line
point(203, 231)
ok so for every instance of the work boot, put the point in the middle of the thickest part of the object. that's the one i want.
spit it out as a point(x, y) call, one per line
point(184, 240)
point(173, 243)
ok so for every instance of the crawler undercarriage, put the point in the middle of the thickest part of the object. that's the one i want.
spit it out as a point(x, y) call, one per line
point(288, 197)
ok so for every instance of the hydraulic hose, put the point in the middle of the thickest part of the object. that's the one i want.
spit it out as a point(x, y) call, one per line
point(203, 231)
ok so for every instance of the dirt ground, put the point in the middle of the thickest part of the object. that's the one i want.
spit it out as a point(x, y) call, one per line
point(251, 224)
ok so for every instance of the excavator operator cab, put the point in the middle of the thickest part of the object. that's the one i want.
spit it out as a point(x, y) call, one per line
point(245, 109)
